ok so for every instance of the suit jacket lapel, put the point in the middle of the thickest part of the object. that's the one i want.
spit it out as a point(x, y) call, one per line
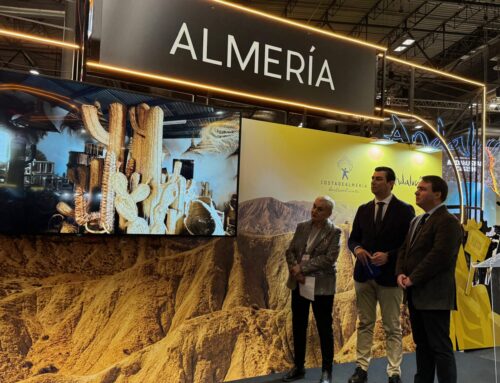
point(307, 231)
point(371, 213)
point(410, 233)
point(321, 235)
point(430, 218)
point(388, 212)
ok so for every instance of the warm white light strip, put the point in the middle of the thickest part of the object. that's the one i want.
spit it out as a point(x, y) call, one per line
point(38, 92)
point(151, 76)
point(395, 59)
point(38, 39)
point(300, 25)
point(448, 151)
point(446, 74)
point(295, 104)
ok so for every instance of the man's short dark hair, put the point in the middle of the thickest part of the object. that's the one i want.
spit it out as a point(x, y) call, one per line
point(389, 173)
point(437, 185)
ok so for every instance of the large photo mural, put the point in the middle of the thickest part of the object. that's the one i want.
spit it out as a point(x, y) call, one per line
point(191, 309)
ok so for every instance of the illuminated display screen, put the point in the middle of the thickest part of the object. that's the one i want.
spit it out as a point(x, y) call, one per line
point(83, 159)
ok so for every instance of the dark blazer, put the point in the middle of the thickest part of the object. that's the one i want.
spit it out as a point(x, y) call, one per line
point(395, 225)
point(323, 257)
point(430, 262)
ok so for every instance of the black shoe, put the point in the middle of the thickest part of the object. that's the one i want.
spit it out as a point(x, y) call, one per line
point(359, 376)
point(395, 379)
point(326, 377)
point(295, 373)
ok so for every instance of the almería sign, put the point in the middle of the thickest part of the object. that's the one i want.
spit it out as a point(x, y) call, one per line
point(272, 59)
point(205, 42)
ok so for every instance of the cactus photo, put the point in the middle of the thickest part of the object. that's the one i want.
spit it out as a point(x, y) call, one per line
point(83, 159)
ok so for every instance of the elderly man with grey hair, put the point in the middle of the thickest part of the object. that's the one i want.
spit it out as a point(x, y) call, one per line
point(313, 252)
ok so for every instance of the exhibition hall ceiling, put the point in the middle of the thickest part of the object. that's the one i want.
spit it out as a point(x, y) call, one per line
point(447, 34)
point(462, 37)
point(49, 18)
point(454, 36)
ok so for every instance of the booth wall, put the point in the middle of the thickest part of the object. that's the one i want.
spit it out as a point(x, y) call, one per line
point(155, 309)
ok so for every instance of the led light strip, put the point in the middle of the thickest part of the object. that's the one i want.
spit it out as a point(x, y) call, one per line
point(395, 59)
point(446, 74)
point(63, 44)
point(26, 36)
point(448, 151)
point(299, 25)
point(483, 127)
point(38, 92)
point(151, 76)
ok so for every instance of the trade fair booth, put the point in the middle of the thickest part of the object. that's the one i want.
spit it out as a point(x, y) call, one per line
point(149, 200)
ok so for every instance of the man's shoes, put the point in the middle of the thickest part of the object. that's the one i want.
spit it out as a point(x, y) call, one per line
point(326, 377)
point(395, 379)
point(359, 376)
point(295, 373)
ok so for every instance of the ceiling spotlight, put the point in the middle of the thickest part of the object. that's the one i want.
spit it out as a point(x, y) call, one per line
point(35, 72)
point(408, 42)
point(418, 126)
point(400, 48)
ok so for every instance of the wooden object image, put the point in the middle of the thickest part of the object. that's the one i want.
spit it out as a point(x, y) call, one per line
point(137, 116)
point(107, 218)
point(96, 169)
point(126, 204)
point(82, 215)
point(219, 137)
point(147, 201)
point(147, 124)
point(176, 210)
point(114, 139)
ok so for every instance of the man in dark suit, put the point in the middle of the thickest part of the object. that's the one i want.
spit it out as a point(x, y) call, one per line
point(313, 253)
point(379, 229)
point(426, 269)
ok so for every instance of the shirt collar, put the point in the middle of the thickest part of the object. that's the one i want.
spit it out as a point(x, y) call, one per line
point(385, 200)
point(434, 209)
point(328, 222)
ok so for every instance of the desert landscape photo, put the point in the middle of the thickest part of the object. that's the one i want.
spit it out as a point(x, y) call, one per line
point(142, 309)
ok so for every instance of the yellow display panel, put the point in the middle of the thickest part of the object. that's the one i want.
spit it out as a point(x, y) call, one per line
point(472, 323)
point(297, 164)
point(478, 243)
